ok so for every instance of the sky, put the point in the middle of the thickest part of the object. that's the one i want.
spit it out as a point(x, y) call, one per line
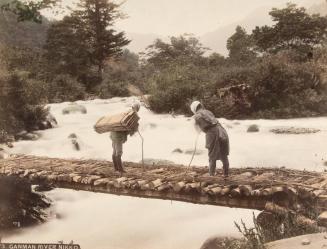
point(174, 17)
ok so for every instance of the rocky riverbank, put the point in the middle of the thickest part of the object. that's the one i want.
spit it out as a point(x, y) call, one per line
point(20, 206)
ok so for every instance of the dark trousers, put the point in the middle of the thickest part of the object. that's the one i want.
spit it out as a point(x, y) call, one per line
point(212, 165)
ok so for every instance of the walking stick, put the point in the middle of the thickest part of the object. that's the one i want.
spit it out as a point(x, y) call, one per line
point(195, 145)
point(142, 148)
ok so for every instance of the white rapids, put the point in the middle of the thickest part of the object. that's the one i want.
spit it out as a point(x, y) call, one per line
point(101, 221)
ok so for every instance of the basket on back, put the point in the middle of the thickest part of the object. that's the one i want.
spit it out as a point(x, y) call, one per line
point(126, 121)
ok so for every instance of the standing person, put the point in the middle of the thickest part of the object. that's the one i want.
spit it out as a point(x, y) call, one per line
point(118, 139)
point(217, 141)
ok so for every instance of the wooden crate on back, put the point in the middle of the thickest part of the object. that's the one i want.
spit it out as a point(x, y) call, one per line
point(126, 121)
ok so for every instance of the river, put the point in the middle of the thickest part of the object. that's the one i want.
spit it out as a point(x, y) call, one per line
point(102, 221)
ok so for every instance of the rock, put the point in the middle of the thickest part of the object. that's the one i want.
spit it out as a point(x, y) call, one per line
point(305, 242)
point(72, 135)
point(152, 125)
point(24, 135)
point(43, 187)
point(191, 151)
point(10, 139)
point(177, 150)
point(31, 136)
point(247, 174)
point(59, 216)
point(4, 154)
point(10, 145)
point(75, 141)
point(294, 130)
point(322, 219)
point(74, 108)
point(253, 128)
point(50, 121)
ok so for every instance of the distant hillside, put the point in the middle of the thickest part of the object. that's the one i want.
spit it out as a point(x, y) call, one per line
point(26, 34)
point(319, 9)
point(217, 39)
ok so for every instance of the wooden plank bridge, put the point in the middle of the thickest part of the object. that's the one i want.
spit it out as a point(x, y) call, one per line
point(251, 188)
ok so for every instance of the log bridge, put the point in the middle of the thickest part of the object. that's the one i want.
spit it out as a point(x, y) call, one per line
point(251, 188)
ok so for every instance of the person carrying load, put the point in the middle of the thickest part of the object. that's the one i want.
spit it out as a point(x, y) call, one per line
point(217, 141)
point(119, 126)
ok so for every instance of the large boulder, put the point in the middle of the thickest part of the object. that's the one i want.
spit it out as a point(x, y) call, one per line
point(3, 153)
point(177, 150)
point(322, 219)
point(24, 135)
point(253, 128)
point(74, 108)
point(49, 122)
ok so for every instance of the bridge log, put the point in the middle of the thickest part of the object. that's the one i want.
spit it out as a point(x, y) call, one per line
point(251, 188)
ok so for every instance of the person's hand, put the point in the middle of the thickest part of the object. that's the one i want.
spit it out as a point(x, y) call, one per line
point(196, 126)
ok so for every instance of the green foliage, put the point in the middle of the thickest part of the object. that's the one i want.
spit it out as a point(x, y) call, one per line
point(174, 88)
point(287, 89)
point(240, 46)
point(183, 49)
point(65, 88)
point(176, 72)
point(22, 34)
point(293, 29)
point(254, 237)
point(109, 89)
point(21, 103)
point(98, 18)
point(80, 44)
point(118, 74)
point(27, 10)
point(66, 49)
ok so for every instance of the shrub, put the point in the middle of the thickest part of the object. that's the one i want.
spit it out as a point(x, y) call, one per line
point(21, 105)
point(109, 89)
point(65, 88)
point(174, 88)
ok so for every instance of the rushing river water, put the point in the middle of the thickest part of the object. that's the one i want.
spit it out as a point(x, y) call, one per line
point(102, 221)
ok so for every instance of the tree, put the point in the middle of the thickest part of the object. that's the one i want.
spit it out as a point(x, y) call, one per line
point(294, 29)
point(183, 48)
point(240, 47)
point(66, 49)
point(27, 10)
point(80, 44)
point(98, 17)
point(216, 60)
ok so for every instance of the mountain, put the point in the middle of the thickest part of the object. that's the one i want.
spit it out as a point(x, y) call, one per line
point(318, 9)
point(217, 39)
